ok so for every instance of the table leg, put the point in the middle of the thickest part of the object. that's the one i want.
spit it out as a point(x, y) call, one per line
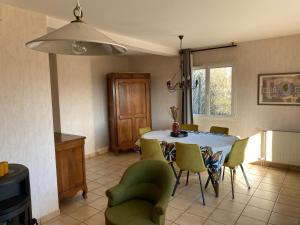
point(215, 184)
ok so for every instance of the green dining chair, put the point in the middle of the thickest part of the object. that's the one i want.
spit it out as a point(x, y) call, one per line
point(151, 149)
point(144, 130)
point(142, 196)
point(219, 130)
point(189, 127)
point(189, 158)
point(236, 158)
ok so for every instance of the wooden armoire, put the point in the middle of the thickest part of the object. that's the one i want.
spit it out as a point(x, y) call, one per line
point(128, 108)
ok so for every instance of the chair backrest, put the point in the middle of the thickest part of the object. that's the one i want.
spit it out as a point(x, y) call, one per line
point(149, 179)
point(237, 153)
point(189, 157)
point(191, 127)
point(144, 130)
point(219, 130)
point(151, 149)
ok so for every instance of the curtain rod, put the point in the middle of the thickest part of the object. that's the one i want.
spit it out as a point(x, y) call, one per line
point(213, 48)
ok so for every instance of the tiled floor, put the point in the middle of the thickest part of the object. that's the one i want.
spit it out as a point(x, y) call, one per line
point(274, 197)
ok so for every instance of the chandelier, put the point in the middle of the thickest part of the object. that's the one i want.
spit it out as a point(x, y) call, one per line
point(185, 81)
point(76, 38)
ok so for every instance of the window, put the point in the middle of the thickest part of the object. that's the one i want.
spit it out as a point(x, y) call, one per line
point(213, 95)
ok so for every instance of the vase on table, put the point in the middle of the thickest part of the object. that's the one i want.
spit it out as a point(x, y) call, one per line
point(176, 128)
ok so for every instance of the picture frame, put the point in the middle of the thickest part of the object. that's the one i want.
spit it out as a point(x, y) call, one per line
point(279, 89)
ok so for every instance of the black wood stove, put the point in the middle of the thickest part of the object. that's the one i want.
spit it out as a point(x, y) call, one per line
point(15, 200)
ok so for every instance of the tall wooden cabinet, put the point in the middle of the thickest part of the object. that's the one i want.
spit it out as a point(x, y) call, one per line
point(129, 108)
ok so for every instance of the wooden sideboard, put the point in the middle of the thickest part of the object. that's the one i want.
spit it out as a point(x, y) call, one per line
point(70, 165)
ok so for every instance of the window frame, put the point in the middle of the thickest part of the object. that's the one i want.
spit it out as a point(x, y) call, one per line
point(207, 67)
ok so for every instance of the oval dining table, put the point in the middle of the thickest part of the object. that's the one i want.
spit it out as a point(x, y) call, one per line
point(217, 143)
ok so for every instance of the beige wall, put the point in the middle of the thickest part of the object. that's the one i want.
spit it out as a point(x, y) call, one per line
point(83, 93)
point(26, 131)
point(249, 59)
point(161, 69)
point(83, 96)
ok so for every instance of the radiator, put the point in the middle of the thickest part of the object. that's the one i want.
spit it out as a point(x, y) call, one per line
point(282, 147)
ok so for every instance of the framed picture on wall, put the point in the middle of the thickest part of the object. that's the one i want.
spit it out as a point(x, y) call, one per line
point(278, 89)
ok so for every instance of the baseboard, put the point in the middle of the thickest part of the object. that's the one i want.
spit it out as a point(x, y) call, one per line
point(98, 152)
point(49, 217)
point(277, 165)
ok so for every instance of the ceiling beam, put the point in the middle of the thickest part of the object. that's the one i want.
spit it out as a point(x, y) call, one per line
point(131, 43)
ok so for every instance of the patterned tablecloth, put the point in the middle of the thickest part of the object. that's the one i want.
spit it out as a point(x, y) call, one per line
point(214, 147)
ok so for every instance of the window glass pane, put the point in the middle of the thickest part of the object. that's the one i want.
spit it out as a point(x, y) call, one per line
point(198, 94)
point(220, 91)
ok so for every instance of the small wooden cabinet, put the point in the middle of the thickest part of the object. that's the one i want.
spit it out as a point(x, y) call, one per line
point(129, 108)
point(70, 165)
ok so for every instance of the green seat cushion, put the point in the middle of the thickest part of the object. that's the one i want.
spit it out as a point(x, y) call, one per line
point(132, 212)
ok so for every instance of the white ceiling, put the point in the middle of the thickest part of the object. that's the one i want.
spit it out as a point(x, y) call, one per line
point(203, 22)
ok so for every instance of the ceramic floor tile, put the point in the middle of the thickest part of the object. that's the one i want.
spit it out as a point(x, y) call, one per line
point(250, 207)
point(290, 192)
point(92, 185)
point(257, 213)
point(223, 216)
point(180, 203)
point(97, 219)
point(287, 210)
point(240, 198)
point(63, 220)
point(244, 190)
point(269, 187)
point(232, 206)
point(268, 195)
point(287, 200)
point(200, 210)
point(278, 219)
point(69, 207)
point(173, 213)
point(84, 213)
point(261, 203)
point(99, 204)
point(190, 219)
point(211, 222)
point(244, 220)
point(90, 198)
point(100, 190)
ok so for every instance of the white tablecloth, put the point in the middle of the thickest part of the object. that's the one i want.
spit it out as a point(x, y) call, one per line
point(215, 141)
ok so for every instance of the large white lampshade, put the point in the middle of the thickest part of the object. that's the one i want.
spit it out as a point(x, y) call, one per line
point(76, 38)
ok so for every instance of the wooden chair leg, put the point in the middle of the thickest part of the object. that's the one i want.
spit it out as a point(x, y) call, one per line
point(200, 180)
point(247, 182)
point(187, 178)
point(223, 173)
point(231, 178)
point(177, 182)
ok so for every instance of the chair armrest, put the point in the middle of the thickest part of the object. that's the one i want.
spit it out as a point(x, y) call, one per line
point(160, 209)
point(116, 195)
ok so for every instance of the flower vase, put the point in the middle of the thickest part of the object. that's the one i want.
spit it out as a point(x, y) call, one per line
point(176, 128)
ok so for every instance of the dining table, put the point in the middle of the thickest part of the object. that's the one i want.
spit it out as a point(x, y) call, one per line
point(210, 145)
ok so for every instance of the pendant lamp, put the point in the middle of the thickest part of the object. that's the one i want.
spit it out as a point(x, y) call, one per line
point(76, 38)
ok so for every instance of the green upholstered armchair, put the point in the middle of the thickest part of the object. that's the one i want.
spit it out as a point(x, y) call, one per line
point(142, 195)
